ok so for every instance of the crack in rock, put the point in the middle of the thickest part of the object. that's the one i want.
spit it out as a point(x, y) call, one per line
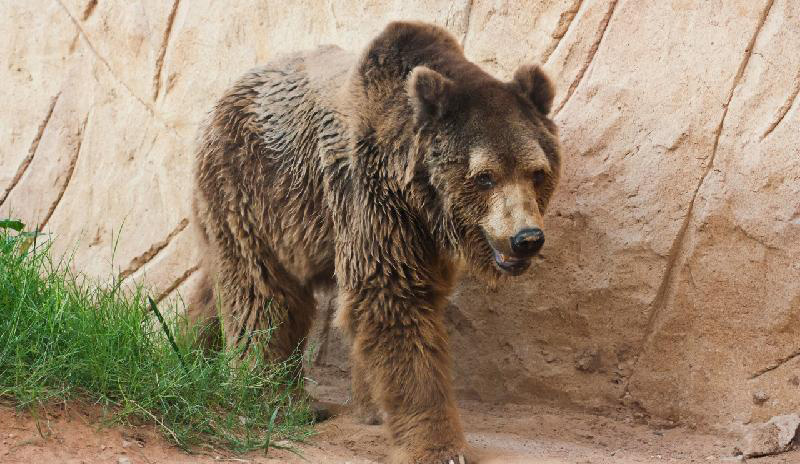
point(467, 16)
point(162, 52)
point(88, 10)
point(564, 23)
point(70, 171)
point(103, 60)
point(139, 261)
point(667, 282)
point(601, 32)
point(23, 167)
point(150, 110)
point(785, 108)
point(775, 365)
point(176, 283)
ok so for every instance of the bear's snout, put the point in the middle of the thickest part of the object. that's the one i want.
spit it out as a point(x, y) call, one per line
point(527, 242)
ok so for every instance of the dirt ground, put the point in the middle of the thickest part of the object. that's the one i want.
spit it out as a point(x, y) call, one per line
point(505, 434)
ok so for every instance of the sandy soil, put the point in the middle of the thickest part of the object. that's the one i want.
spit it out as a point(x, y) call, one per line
point(505, 434)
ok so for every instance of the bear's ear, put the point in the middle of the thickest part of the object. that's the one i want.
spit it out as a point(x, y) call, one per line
point(429, 92)
point(534, 84)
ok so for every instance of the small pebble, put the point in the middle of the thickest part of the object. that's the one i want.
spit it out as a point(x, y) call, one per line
point(760, 397)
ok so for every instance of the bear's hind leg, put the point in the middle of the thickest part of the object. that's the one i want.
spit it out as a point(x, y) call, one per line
point(202, 313)
point(263, 305)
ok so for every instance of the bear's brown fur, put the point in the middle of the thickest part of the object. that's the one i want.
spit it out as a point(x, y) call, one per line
point(380, 173)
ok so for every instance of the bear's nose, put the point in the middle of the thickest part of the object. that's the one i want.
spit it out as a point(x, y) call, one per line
point(527, 242)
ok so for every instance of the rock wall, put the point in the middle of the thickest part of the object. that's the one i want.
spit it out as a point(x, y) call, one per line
point(670, 282)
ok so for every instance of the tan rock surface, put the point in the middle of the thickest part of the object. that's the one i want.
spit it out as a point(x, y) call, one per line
point(670, 281)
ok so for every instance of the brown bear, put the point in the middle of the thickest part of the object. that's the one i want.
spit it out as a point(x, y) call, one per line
point(381, 173)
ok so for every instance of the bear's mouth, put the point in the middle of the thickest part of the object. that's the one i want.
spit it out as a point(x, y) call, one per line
point(510, 264)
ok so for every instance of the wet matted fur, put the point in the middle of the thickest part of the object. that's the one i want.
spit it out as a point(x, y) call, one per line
point(381, 173)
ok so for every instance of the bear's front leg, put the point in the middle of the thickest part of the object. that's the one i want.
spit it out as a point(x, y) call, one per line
point(401, 348)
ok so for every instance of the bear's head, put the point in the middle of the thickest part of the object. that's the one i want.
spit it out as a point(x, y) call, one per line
point(485, 148)
point(492, 154)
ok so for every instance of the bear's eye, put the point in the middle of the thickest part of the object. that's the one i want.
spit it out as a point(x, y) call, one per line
point(538, 178)
point(484, 180)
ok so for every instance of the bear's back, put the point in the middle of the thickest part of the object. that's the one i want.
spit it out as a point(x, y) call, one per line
point(263, 152)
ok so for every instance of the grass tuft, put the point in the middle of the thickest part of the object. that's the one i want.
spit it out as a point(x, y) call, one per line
point(65, 337)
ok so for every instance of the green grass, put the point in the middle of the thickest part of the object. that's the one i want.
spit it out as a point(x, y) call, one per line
point(65, 337)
